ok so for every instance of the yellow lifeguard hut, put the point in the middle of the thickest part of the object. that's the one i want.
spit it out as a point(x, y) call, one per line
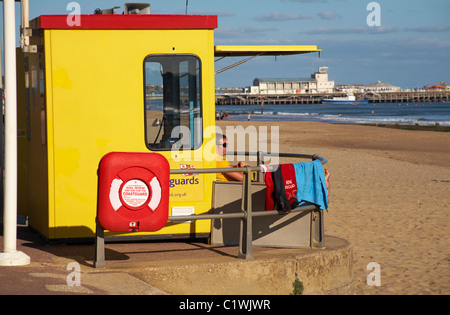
point(116, 83)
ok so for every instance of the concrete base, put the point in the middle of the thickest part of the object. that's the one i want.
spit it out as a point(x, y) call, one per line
point(271, 272)
point(16, 258)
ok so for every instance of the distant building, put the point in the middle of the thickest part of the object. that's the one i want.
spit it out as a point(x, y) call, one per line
point(350, 88)
point(323, 84)
point(225, 91)
point(441, 86)
point(381, 87)
point(361, 88)
point(318, 83)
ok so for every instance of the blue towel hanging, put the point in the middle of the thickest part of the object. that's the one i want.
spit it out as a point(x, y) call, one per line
point(311, 184)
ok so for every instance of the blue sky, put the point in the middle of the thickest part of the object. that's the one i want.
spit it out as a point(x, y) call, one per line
point(409, 49)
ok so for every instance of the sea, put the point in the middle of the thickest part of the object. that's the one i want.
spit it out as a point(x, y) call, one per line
point(423, 114)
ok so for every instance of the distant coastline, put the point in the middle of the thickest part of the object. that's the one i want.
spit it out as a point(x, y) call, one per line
point(414, 127)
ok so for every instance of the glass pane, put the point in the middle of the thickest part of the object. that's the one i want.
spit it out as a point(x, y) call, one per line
point(173, 102)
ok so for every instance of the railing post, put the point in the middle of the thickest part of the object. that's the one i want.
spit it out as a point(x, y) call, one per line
point(246, 231)
point(317, 229)
point(99, 259)
point(260, 161)
point(322, 229)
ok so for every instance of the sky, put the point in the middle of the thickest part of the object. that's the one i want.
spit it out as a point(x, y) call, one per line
point(406, 44)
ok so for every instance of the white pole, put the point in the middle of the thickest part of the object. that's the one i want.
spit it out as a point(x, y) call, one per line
point(10, 255)
point(10, 215)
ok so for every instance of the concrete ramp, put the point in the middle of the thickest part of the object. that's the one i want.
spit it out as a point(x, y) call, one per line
point(271, 272)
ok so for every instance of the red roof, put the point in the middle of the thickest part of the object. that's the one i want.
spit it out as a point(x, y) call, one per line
point(128, 22)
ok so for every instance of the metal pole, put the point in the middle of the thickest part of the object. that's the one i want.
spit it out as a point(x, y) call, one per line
point(10, 255)
point(249, 210)
point(246, 230)
point(99, 258)
point(25, 24)
point(2, 135)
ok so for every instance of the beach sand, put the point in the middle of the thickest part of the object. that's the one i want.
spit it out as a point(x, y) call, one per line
point(389, 196)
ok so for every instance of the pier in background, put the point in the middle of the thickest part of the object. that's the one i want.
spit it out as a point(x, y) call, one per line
point(292, 99)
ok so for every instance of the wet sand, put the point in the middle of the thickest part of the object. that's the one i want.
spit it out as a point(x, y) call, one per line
point(390, 197)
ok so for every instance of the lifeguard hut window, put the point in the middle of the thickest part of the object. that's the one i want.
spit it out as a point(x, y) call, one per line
point(173, 102)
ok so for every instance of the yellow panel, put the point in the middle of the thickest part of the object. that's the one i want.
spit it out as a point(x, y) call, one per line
point(237, 51)
point(96, 106)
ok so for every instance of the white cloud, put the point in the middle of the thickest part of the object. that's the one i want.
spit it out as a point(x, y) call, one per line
point(277, 16)
point(353, 30)
point(428, 29)
point(329, 15)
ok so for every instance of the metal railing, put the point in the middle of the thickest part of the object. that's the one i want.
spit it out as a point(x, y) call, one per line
point(246, 213)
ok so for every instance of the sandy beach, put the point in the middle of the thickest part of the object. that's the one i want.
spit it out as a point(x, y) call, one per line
point(389, 197)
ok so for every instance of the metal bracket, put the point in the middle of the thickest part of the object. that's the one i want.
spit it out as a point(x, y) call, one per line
point(26, 33)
